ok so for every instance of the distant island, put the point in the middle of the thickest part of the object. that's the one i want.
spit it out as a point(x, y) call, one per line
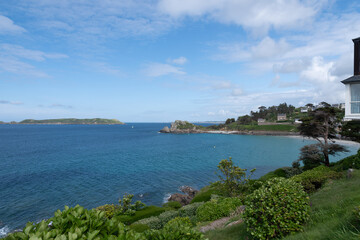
point(70, 121)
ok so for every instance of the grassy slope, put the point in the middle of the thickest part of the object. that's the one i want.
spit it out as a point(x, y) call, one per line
point(330, 218)
point(72, 121)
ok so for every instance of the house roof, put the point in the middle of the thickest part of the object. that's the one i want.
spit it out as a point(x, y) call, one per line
point(356, 39)
point(353, 79)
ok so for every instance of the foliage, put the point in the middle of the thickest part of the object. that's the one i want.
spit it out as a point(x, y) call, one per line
point(139, 227)
point(178, 229)
point(108, 209)
point(312, 155)
point(233, 178)
point(125, 207)
point(76, 223)
point(151, 222)
point(204, 194)
point(285, 172)
point(229, 120)
point(236, 126)
point(167, 216)
point(245, 120)
point(149, 211)
point(189, 210)
point(180, 220)
point(216, 209)
point(351, 129)
point(320, 125)
point(348, 162)
point(279, 207)
point(172, 204)
point(313, 179)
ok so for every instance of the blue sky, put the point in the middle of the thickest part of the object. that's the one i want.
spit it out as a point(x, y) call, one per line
point(158, 61)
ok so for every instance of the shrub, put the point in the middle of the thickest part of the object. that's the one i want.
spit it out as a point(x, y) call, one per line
point(181, 221)
point(285, 172)
point(167, 216)
point(151, 222)
point(149, 211)
point(189, 210)
point(176, 229)
point(172, 204)
point(204, 195)
point(125, 207)
point(313, 179)
point(279, 207)
point(216, 209)
point(346, 163)
point(109, 209)
point(232, 177)
point(76, 223)
point(139, 227)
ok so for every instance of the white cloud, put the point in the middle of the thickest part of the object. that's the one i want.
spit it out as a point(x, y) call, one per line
point(21, 52)
point(7, 26)
point(179, 61)
point(18, 67)
point(237, 92)
point(161, 69)
point(258, 15)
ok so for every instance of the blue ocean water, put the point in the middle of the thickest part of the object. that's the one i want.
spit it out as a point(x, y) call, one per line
point(44, 167)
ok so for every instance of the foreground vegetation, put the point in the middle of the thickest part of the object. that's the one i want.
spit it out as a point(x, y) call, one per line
point(288, 203)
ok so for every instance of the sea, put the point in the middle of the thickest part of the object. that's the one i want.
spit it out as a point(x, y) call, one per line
point(45, 167)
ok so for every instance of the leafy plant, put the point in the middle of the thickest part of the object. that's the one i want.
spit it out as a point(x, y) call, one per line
point(313, 179)
point(279, 207)
point(232, 178)
point(151, 222)
point(217, 208)
point(348, 162)
point(189, 210)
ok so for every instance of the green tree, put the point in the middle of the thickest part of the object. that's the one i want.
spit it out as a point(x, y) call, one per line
point(351, 130)
point(320, 125)
point(232, 178)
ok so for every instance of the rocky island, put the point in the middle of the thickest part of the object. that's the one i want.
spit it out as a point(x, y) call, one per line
point(72, 121)
point(181, 127)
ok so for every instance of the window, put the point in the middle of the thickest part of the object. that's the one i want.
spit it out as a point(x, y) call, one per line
point(355, 98)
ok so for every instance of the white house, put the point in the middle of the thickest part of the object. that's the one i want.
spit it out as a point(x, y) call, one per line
point(352, 85)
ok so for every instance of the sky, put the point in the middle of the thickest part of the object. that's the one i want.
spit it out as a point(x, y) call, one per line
point(163, 60)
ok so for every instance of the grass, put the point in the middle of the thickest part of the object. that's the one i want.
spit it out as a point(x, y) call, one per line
point(149, 211)
point(331, 216)
point(203, 195)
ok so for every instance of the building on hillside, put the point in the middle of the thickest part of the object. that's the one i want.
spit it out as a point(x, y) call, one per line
point(352, 86)
point(261, 120)
point(281, 117)
point(304, 109)
point(342, 105)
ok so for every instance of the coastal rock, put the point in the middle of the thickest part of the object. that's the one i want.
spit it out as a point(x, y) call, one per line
point(189, 191)
point(165, 130)
point(181, 198)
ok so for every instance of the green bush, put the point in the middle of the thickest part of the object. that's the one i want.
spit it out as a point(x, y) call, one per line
point(285, 172)
point(177, 229)
point(151, 222)
point(279, 207)
point(216, 209)
point(189, 210)
point(109, 209)
point(149, 211)
point(172, 204)
point(167, 216)
point(139, 227)
point(180, 220)
point(313, 179)
point(204, 195)
point(76, 223)
point(346, 163)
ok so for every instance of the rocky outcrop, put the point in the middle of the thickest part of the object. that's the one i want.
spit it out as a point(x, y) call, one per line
point(189, 191)
point(165, 130)
point(182, 127)
point(183, 199)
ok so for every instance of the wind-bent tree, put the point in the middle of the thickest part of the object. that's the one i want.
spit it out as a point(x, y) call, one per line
point(320, 125)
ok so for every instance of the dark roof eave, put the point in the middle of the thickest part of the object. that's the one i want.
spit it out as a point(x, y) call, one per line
point(353, 79)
